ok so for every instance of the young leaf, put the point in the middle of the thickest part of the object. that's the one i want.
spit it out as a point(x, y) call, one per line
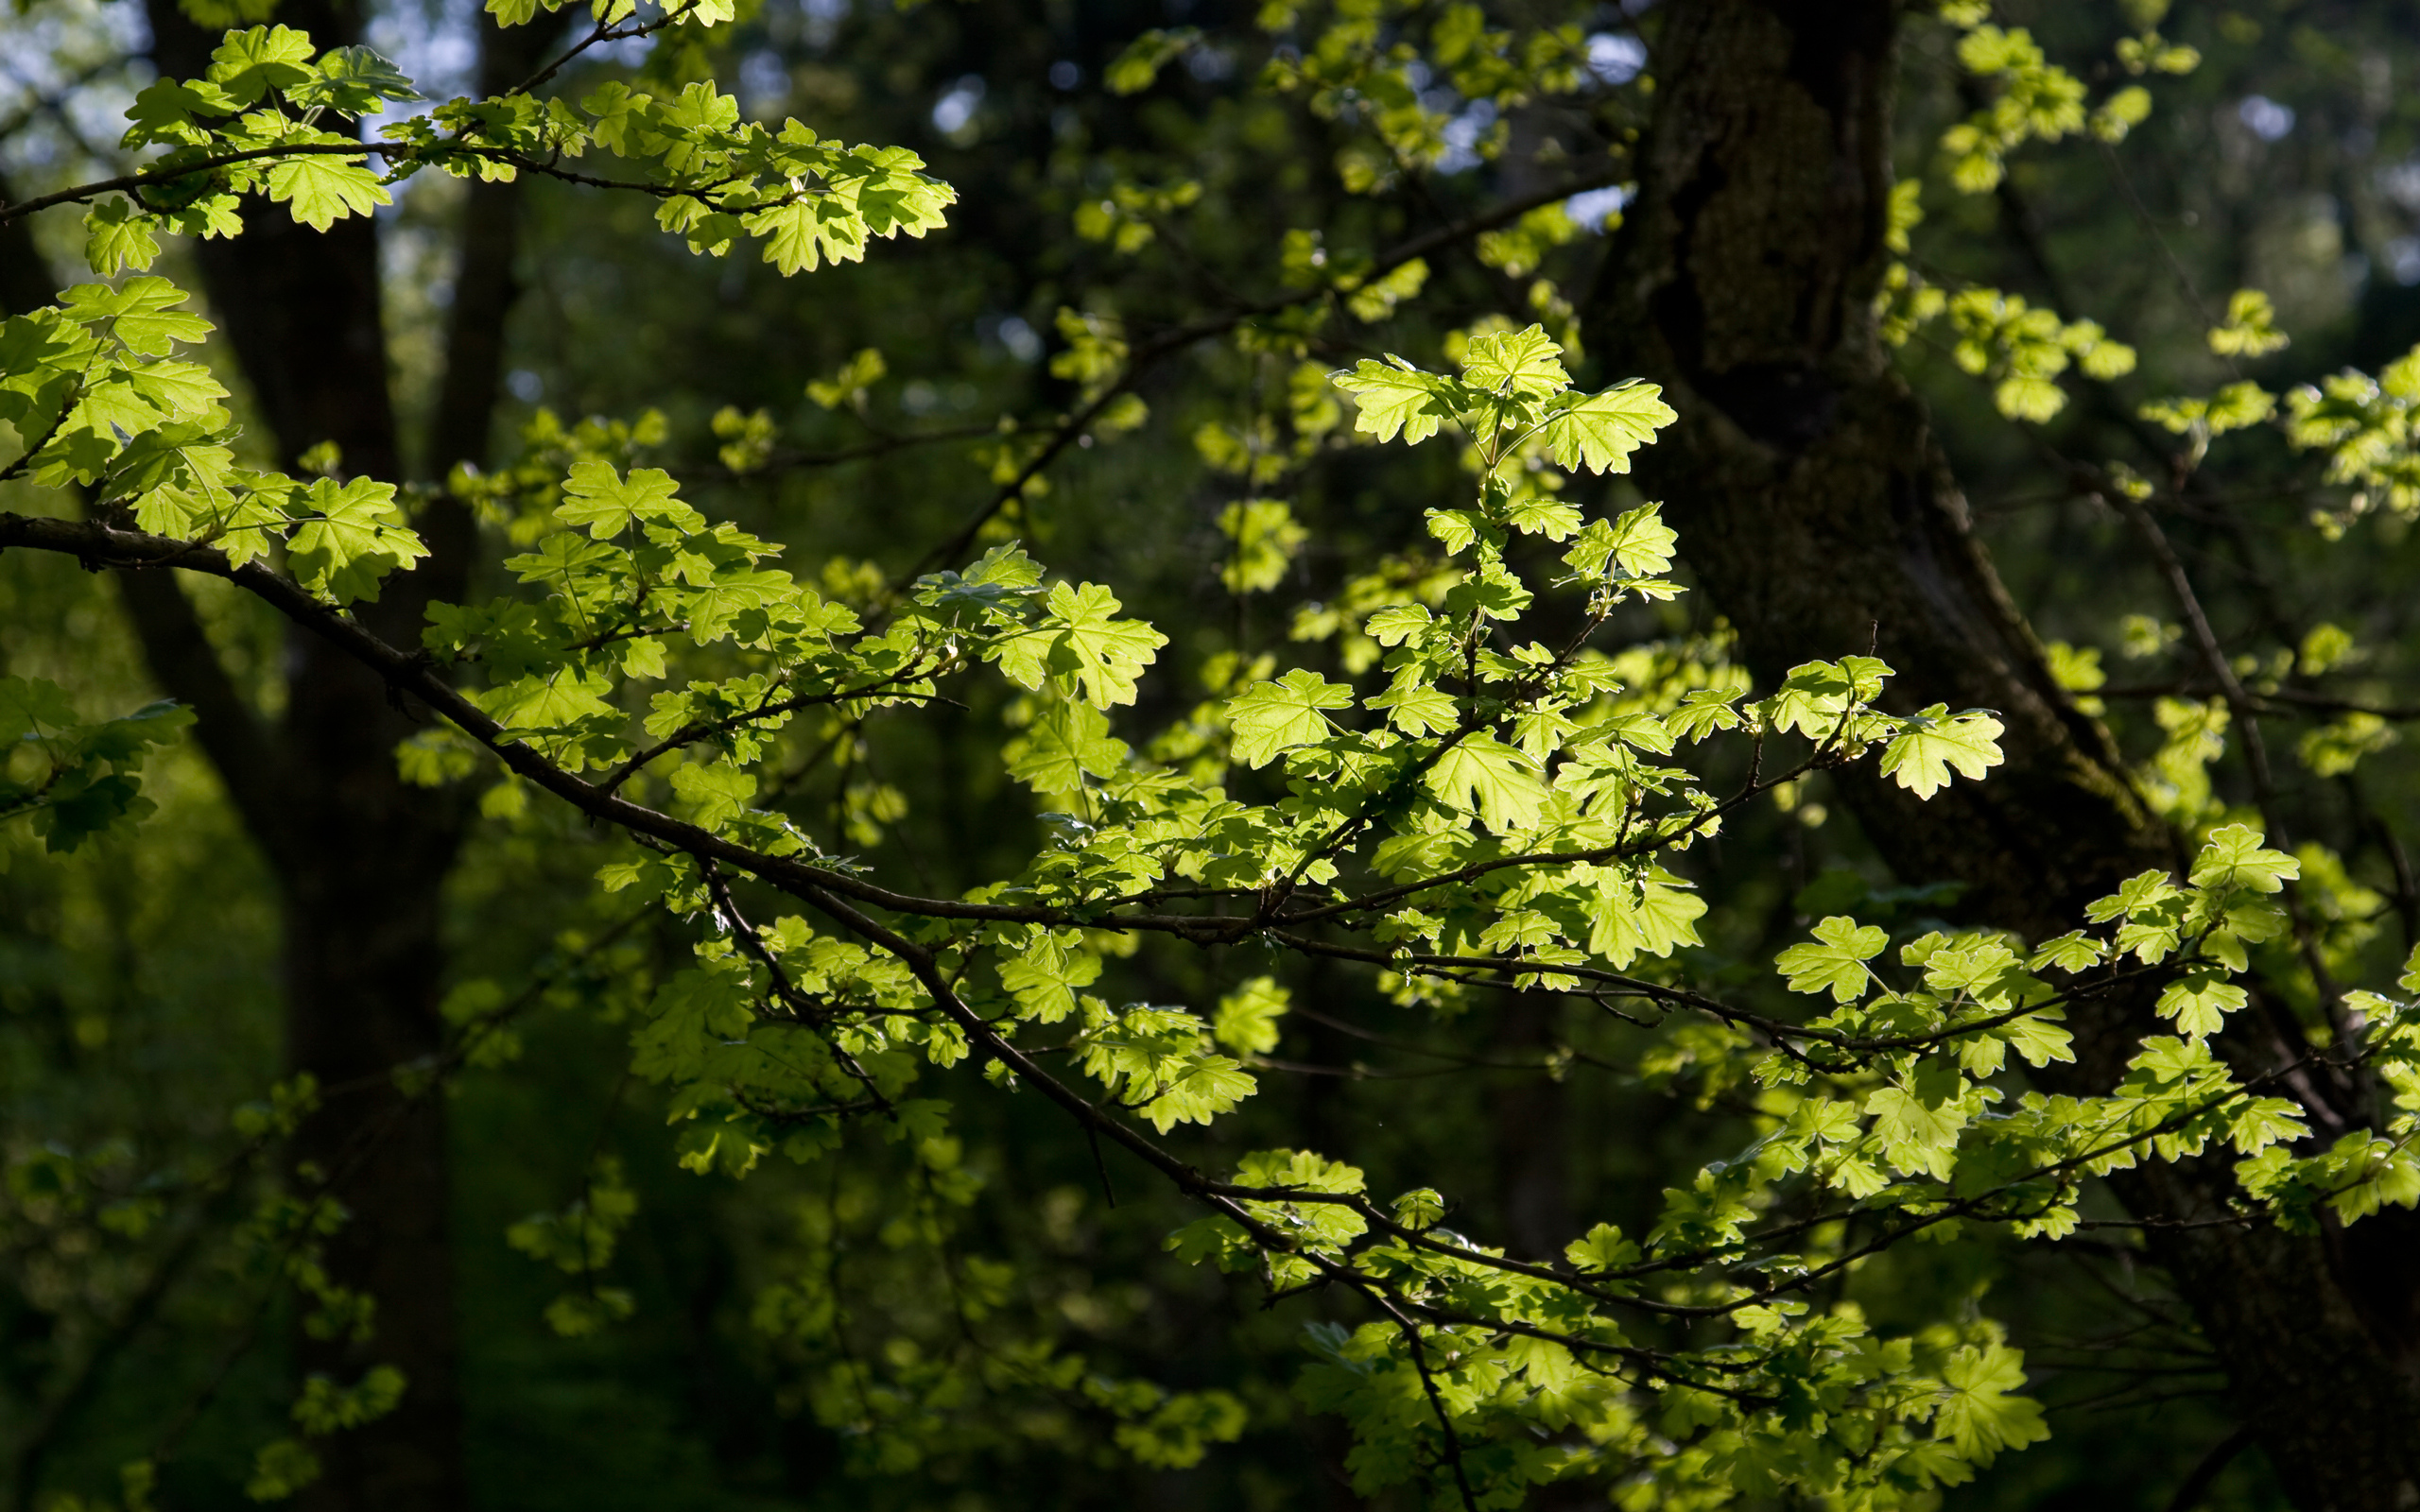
point(1977, 1414)
point(1658, 915)
point(1267, 718)
point(2200, 1003)
point(1248, 1017)
point(2234, 857)
point(1499, 781)
point(1105, 654)
point(1394, 396)
point(1919, 1139)
point(601, 499)
point(357, 538)
point(1835, 963)
point(718, 793)
point(1935, 742)
point(1060, 747)
point(1516, 362)
point(1602, 430)
point(320, 190)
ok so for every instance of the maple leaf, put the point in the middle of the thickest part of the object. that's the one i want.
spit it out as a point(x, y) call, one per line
point(1600, 431)
point(1393, 396)
point(320, 190)
point(1499, 781)
point(1835, 963)
point(1267, 718)
point(1934, 742)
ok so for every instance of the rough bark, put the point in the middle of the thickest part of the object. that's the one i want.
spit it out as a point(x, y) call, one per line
point(361, 861)
point(1821, 518)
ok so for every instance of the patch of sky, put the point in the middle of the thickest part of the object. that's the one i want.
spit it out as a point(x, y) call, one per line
point(68, 73)
point(1591, 209)
point(2264, 118)
point(824, 18)
point(1019, 339)
point(764, 83)
point(1615, 59)
point(2402, 257)
point(436, 43)
point(955, 111)
point(2400, 183)
point(1208, 63)
point(1463, 135)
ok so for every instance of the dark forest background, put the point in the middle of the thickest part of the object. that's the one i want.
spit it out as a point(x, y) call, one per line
point(148, 983)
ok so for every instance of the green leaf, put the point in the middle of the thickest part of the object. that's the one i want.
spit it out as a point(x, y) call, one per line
point(1080, 637)
point(181, 390)
point(1267, 718)
point(2200, 1002)
point(354, 81)
point(356, 539)
point(118, 236)
point(713, 607)
point(1603, 1249)
point(1415, 708)
point(142, 313)
point(1204, 1088)
point(29, 704)
point(1917, 1138)
point(1816, 695)
point(2234, 857)
point(320, 190)
point(249, 64)
point(1515, 362)
point(1935, 742)
point(1543, 516)
point(1655, 914)
point(1639, 544)
point(1600, 430)
point(2039, 1038)
point(2257, 1123)
point(1421, 1208)
point(1067, 742)
point(1835, 963)
point(2072, 952)
point(607, 503)
point(1502, 781)
point(696, 1011)
point(1702, 711)
point(1977, 1414)
point(123, 740)
point(86, 805)
point(1248, 1017)
point(802, 235)
point(1393, 396)
point(1044, 978)
point(717, 794)
point(165, 108)
point(548, 701)
point(1220, 1239)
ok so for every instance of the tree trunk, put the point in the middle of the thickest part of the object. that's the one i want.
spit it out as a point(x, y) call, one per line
point(1821, 518)
point(360, 860)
